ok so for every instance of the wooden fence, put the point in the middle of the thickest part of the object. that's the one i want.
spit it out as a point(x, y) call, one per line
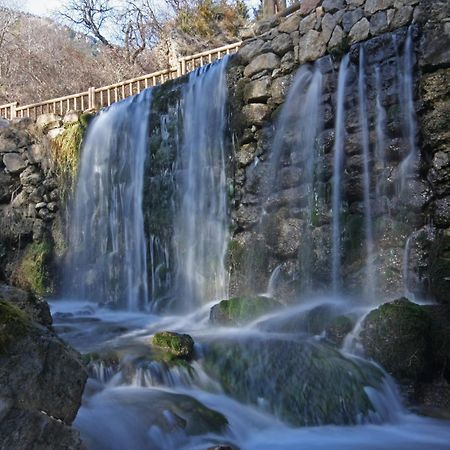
point(105, 96)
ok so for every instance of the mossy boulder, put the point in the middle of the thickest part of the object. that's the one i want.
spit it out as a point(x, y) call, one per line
point(303, 382)
point(338, 329)
point(175, 344)
point(239, 310)
point(14, 325)
point(397, 336)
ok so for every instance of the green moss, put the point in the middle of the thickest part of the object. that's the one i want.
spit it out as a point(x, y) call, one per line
point(66, 151)
point(242, 309)
point(14, 325)
point(175, 344)
point(32, 272)
point(397, 336)
point(302, 382)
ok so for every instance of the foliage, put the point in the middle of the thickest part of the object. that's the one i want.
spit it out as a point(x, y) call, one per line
point(205, 18)
point(31, 273)
point(66, 149)
point(14, 324)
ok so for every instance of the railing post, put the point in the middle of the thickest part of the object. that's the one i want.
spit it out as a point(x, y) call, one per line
point(91, 98)
point(14, 110)
point(183, 66)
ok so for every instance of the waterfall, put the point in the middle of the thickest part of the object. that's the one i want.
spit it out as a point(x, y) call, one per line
point(107, 259)
point(363, 119)
point(201, 223)
point(408, 113)
point(337, 175)
point(297, 130)
point(380, 151)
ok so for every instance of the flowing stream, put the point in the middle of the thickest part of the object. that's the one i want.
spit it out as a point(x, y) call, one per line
point(273, 383)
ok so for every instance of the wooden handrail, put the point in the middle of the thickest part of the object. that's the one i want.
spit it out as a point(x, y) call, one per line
point(106, 95)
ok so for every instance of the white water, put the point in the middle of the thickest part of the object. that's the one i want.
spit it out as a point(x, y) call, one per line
point(107, 260)
point(363, 120)
point(337, 176)
point(201, 226)
point(117, 414)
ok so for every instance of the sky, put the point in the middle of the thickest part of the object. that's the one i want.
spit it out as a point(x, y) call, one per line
point(41, 7)
point(46, 7)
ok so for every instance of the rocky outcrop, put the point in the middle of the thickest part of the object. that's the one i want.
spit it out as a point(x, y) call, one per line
point(41, 378)
point(269, 230)
point(175, 344)
point(411, 342)
point(239, 310)
point(302, 382)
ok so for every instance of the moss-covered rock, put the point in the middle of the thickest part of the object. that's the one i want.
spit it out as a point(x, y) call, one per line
point(31, 274)
point(242, 309)
point(14, 325)
point(175, 344)
point(338, 329)
point(397, 336)
point(302, 382)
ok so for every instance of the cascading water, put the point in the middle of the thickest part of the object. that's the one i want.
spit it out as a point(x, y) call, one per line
point(297, 130)
point(338, 167)
point(363, 120)
point(107, 259)
point(246, 381)
point(201, 223)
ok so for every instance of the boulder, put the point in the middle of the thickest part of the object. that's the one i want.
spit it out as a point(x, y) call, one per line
point(397, 336)
point(311, 47)
point(175, 344)
point(242, 309)
point(22, 429)
point(304, 383)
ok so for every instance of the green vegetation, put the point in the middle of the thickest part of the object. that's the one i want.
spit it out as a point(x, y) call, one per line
point(397, 336)
point(175, 344)
point(205, 18)
point(31, 273)
point(242, 309)
point(14, 325)
point(66, 150)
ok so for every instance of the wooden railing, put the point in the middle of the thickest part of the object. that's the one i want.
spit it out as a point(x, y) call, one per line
point(104, 96)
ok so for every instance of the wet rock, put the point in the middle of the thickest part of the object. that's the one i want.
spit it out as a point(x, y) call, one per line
point(31, 176)
point(239, 310)
point(256, 113)
point(378, 23)
point(14, 162)
point(8, 186)
point(397, 336)
point(280, 87)
point(336, 38)
point(257, 91)
point(319, 385)
point(338, 329)
point(177, 345)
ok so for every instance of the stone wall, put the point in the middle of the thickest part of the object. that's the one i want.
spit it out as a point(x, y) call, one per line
point(260, 77)
point(30, 191)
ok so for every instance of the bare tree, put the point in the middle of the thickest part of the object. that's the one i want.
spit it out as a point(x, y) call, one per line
point(91, 15)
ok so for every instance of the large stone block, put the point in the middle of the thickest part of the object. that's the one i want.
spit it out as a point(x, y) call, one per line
point(14, 162)
point(311, 47)
point(266, 61)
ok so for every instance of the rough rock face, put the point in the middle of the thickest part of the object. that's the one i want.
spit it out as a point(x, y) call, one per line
point(410, 251)
point(41, 378)
point(319, 385)
point(411, 342)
